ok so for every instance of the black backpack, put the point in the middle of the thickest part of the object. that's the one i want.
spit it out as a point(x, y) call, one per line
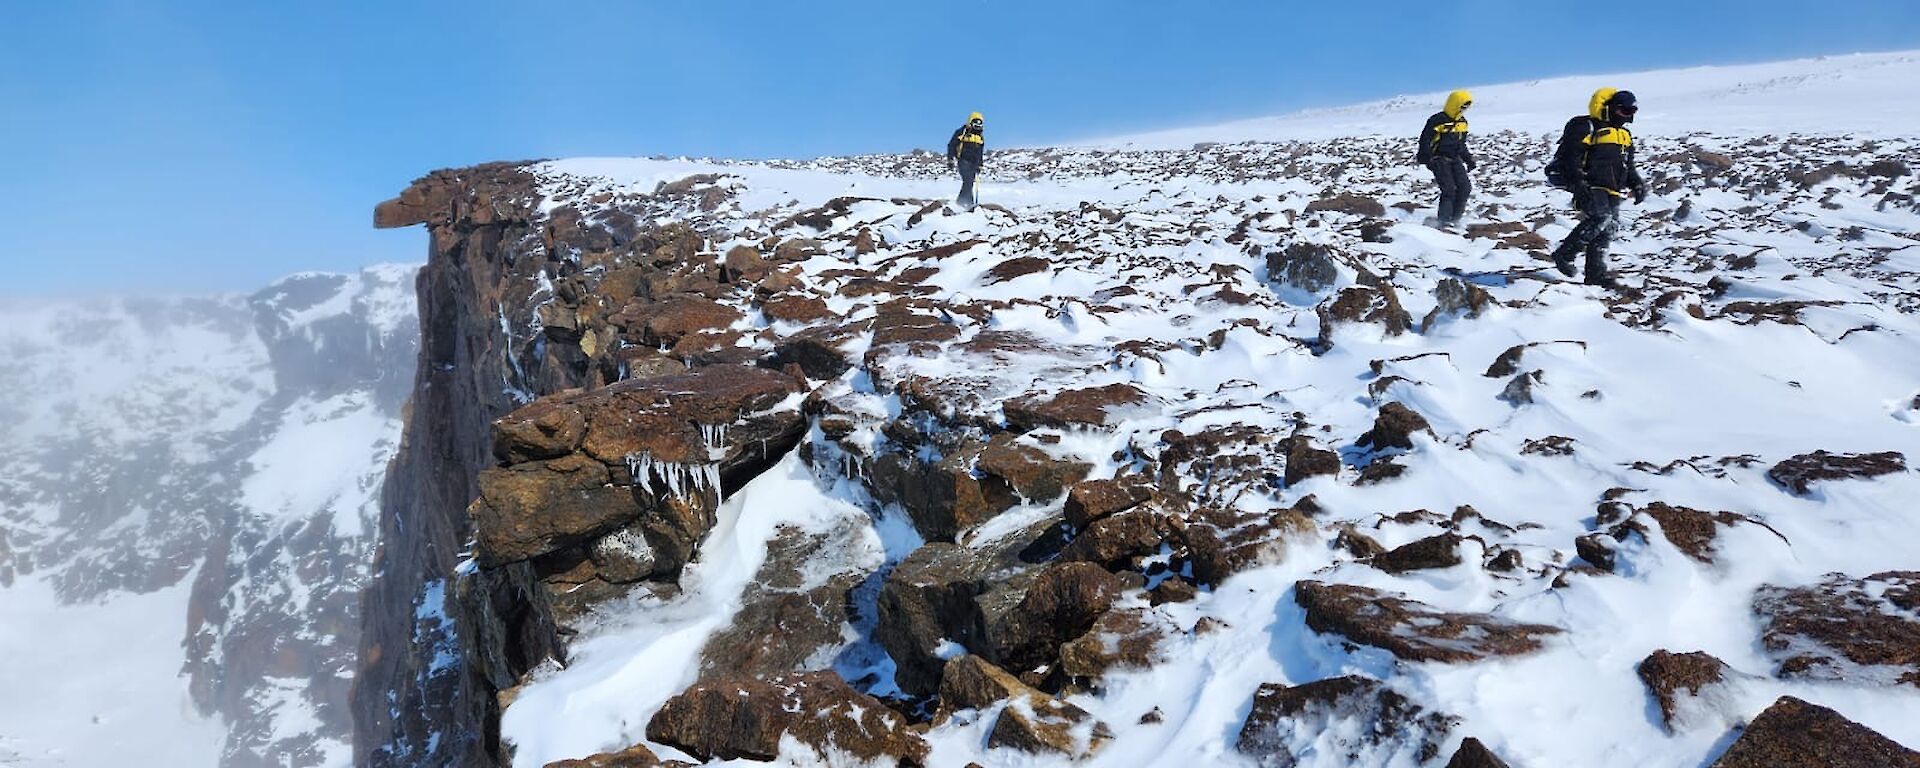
point(1564, 170)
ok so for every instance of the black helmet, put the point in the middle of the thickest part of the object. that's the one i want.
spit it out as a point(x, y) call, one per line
point(1622, 106)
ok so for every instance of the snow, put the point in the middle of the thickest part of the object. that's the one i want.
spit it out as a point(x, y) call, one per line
point(622, 670)
point(1826, 95)
point(98, 684)
point(326, 457)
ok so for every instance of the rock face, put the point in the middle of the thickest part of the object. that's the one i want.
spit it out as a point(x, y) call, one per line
point(1801, 472)
point(794, 613)
point(1413, 630)
point(1859, 630)
point(1355, 717)
point(742, 717)
point(1795, 734)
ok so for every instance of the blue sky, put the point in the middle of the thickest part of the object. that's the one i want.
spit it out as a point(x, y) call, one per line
point(194, 146)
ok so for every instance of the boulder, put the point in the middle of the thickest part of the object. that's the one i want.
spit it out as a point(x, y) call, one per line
point(1019, 266)
point(1455, 297)
point(1357, 718)
point(1796, 734)
point(1219, 543)
point(1309, 267)
point(1360, 305)
point(1679, 682)
point(1032, 473)
point(1348, 202)
point(1123, 638)
point(1061, 603)
point(533, 508)
point(1031, 722)
point(1091, 500)
point(1861, 631)
point(1441, 551)
point(926, 604)
point(1393, 427)
point(738, 717)
point(1115, 541)
point(1304, 460)
point(1086, 407)
point(1413, 630)
point(1799, 473)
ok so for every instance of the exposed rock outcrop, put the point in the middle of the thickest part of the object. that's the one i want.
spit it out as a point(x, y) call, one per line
point(1796, 734)
point(1413, 630)
point(744, 717)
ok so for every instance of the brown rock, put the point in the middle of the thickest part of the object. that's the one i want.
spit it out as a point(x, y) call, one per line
point(1442, 551)
point(1795, 734)
point(636, 756)
point(1033, 473)
point(1369, 723)
point(1172, 590)
point(1857, 630)
point(1671, 676)
point(1453, 296)
point(1061, 603)
point(1043, 725)
point(790, 611)
point(1094, 499)
point(661, 418)
point(1305, 460)
point(926, 602)
point(1473, 754)
point(1125, 638)
point(1309, 267)
point(1032, 721)
point(1692, 531)
point(743, 717)
point(665, 322)
point(534, 508)
point(1018, 266)
point(1394, 427)
point(795, 308)
point(542, 430)
point(1220, 544)
point(1089, 407)
point(1114, 541)
point(1801, 472)
point(1413, 630)
point(1363, 304)
point(1347, 202)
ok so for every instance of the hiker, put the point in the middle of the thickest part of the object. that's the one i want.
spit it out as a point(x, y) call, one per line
point(1595, 163)
point(967, 150)
point(1443, 149)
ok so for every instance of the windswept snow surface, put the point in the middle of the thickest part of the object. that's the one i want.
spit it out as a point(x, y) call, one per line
point(1863, 94)
point(1683, 390)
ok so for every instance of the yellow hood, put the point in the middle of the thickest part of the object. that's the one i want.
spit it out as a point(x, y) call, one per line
point(975, 116)
point(1597, 106)
point(1455, 101)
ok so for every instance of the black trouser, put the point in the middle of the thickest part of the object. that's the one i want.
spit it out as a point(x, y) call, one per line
point(968, 170)
point(1451, 174)
point(1599, 217)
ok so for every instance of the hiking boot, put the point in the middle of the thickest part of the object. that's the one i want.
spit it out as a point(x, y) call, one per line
point(1604, 281)
point(1564, 263)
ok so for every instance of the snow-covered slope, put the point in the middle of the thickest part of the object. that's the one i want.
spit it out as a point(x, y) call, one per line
point(1869, 94)
point(186, 490)
point(1381, 489)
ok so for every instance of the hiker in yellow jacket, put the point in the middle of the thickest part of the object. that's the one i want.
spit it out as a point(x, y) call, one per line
point(1595, 163)
point(1443, 150)
point(967, 151)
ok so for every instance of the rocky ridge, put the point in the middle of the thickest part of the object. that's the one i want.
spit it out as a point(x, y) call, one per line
point(1155, 405)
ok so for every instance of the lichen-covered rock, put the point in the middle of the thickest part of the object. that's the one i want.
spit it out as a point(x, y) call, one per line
point(1031, 721)
point(795, 611)
point(1473, 754)
point(1799, 473)
point(1439, 551)
point(534, 508)
point(1413, 630)
point(1087, 407)
point(1123, 638)
point(1689, 687)
point(1358, 718)
point(1031, 472)
point(1219, 543)
point(1796, 734)
point(1854, 630)
point(636, 756)
point(1394, 427)
point(1061, 603)
point(737, 717)
point(1091, 500)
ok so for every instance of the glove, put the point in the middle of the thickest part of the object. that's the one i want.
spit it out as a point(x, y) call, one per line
point(1639, 193)
point(950, 165)
point(1470, 162)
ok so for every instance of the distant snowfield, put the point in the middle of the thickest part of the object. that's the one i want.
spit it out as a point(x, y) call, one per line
point(1866, 94)
point(98, 684)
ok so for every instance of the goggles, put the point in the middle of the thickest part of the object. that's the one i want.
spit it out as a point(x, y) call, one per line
point(1626, 109)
